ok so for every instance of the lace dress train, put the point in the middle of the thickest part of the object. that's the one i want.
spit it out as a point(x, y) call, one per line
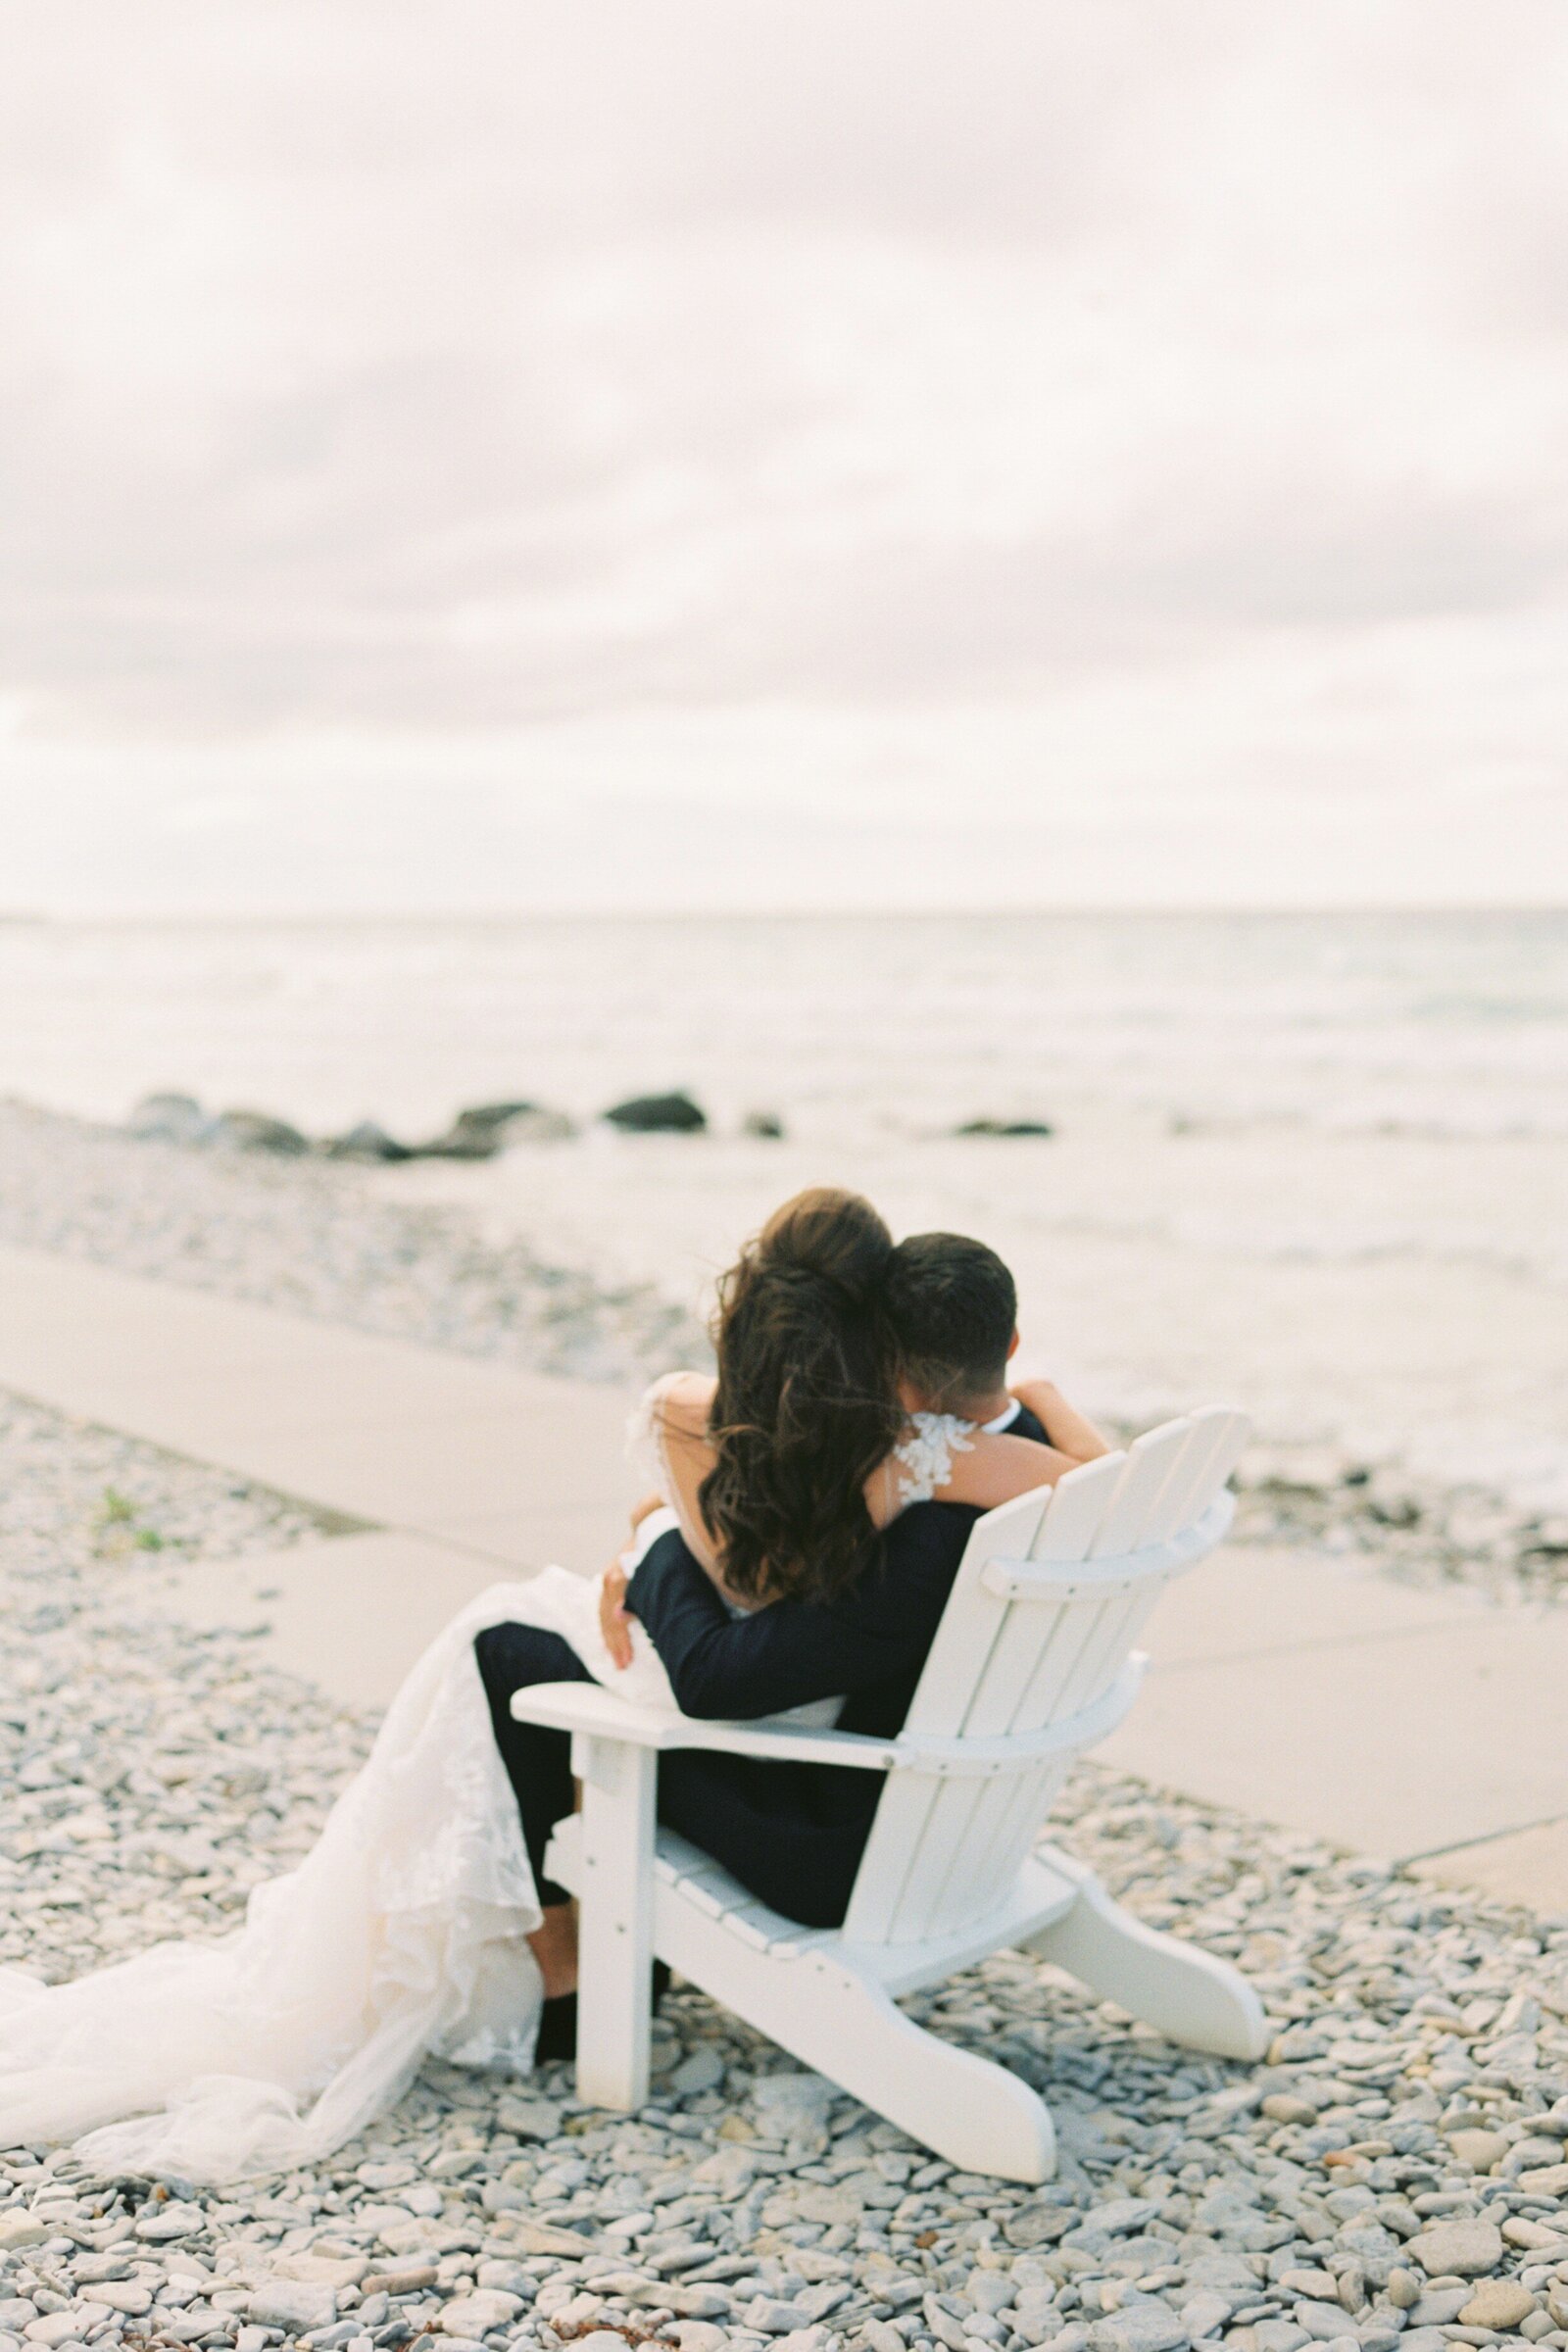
point(401, 1936)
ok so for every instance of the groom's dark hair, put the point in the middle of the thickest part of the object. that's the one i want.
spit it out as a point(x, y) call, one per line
point(953, 1308)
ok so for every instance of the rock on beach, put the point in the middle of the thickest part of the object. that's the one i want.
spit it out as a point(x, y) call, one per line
point(485, 1129)
point(170, 1118)
point(657, 1114)
point(257, 1131)
point(293, 2305)
point(1465, 2247)
point(1138, 2328)
point(1498, 2303)
point(368, 1142)
point(477, 2313)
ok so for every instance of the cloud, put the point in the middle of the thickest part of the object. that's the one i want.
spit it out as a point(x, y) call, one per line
point(447, 382)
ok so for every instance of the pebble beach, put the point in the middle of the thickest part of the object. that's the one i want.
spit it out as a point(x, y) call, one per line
point(1392, 2174)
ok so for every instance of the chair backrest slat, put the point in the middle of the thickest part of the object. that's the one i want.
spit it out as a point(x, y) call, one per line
point(1166, 1514)
point(1150, 1462)
point(937, 1882)
point(1219, 1434)
point(1071, 1514)
point(1019, 1826)
point(1001, 1844)
point(997, 1825)
point(972, 1619)
point(1020, 1643)
point(1077, 1505)
point(1073, 1624)
point(891, 1853)
point(945, 1849)
point(1104, 1651)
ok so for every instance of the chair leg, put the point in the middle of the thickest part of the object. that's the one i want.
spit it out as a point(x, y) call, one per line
point(615, 1913)
point(973, 2112)
point(1193, 1997)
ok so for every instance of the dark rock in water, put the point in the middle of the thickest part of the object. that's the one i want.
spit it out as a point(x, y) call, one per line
point(170, 1120)
point(484, 1118)
point(537, 1125)
point(487, 1128)
point(475, 1133)
point(461, 1143)
point(659, 1114)
point(766, 1124)
point(1005, 1127)
point(367, 1142)
point(257, 1131)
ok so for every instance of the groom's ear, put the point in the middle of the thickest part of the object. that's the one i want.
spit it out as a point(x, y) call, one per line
point(1013, 1346)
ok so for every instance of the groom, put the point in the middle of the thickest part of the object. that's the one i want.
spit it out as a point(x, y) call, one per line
point(793, 1833)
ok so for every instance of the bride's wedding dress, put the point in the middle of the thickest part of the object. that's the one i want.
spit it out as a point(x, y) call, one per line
point(402, 1935)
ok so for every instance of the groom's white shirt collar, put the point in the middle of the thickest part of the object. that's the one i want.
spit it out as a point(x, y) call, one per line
point(993, 1429)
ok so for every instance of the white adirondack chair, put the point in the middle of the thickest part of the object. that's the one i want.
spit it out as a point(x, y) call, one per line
point(1033, 1662)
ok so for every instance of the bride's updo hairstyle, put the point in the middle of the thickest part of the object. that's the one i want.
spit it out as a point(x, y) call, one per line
point(806, 1406)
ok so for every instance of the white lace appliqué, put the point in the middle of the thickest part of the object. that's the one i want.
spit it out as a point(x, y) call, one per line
point(922, 1458)
point(401, 1934)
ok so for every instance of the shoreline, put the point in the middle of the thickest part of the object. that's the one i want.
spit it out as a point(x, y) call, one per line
point(310, 1236)
point(333, 1241)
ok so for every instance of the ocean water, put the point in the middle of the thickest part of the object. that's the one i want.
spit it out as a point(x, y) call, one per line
point(1318, 1164)
point(1444, 1024)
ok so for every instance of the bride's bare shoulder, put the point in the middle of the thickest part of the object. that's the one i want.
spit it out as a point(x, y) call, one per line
point(681, 1401)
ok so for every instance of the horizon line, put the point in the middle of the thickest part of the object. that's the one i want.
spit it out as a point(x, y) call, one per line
point(21, 918)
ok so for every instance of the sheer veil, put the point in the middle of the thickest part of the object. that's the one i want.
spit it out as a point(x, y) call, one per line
point(399, 1936)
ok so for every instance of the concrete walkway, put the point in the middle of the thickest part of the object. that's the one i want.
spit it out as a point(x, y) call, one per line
point(512, 1467)
point(1413, 1725)
point(1418, 1726)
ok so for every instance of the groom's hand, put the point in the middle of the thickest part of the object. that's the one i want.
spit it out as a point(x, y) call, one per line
point(615, 1621)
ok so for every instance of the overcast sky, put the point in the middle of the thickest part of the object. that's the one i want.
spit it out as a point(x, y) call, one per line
point(753, 453)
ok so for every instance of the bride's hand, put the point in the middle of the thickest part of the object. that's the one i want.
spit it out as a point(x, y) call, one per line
point(615, 1621)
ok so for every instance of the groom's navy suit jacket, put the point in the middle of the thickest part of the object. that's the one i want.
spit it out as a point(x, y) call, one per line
point(793, 1833)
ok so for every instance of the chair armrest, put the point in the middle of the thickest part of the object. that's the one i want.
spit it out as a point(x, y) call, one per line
point(600, 1714)
point(594, 1713)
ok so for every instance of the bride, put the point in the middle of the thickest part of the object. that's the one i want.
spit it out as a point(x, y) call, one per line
point(414, 1927)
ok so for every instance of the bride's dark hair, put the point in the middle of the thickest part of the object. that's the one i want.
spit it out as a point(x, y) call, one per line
point(806, 1406)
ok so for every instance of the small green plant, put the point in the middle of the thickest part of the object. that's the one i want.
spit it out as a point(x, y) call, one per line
point(149, 1540)
point(118, 1509)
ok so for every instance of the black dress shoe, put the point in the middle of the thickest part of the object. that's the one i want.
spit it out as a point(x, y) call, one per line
point(558, 2028)
point(557, 2019)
